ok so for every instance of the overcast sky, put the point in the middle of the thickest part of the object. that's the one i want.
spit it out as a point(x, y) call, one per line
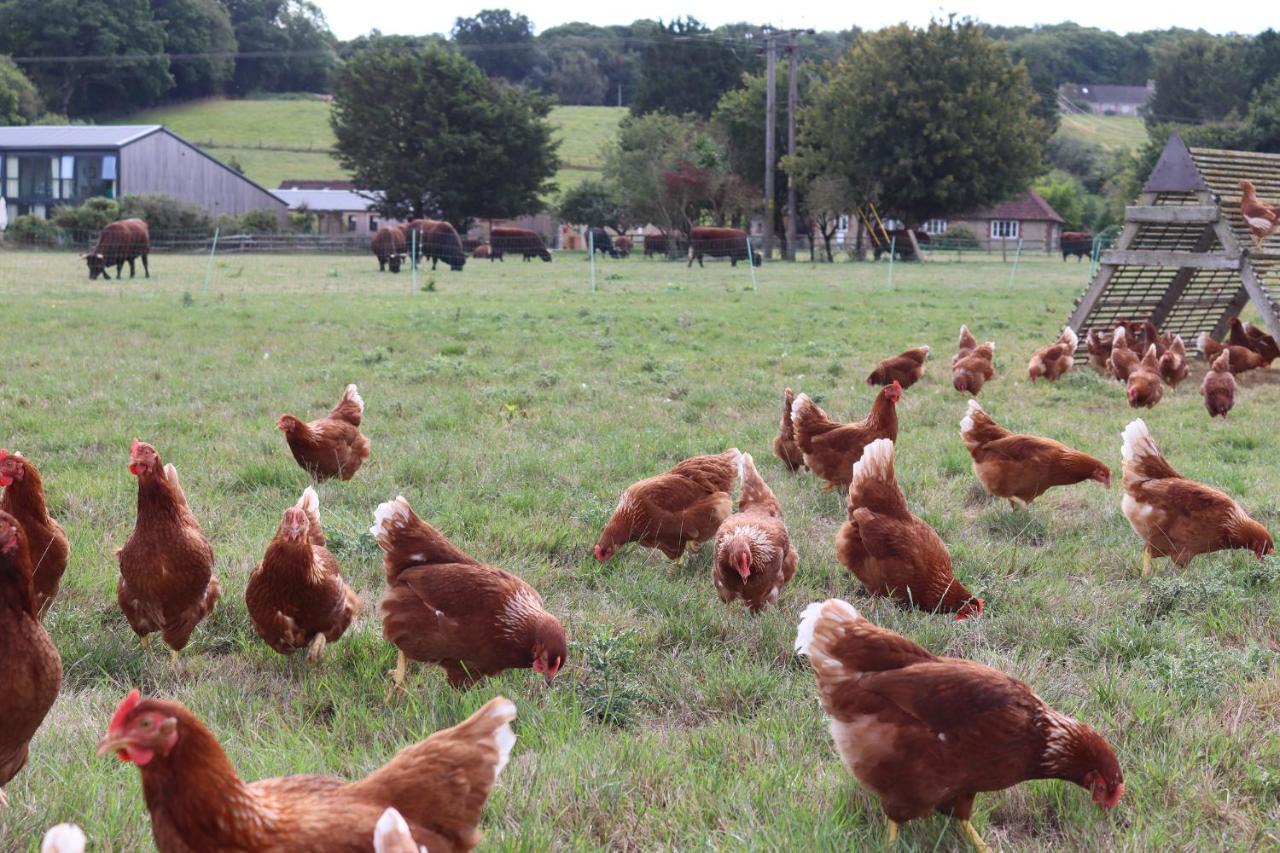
point(350, 18)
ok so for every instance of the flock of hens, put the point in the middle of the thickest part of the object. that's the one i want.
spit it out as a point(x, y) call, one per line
point(922, 732)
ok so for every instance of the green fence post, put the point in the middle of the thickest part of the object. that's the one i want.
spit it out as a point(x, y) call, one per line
point(413, 261)
point(1016, 254)
point(591, 253)
point(893, 250)
point(751, 262)
point(213, 250)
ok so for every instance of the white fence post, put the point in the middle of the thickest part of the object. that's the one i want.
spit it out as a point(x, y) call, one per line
point(213, 250)
point(591, 255)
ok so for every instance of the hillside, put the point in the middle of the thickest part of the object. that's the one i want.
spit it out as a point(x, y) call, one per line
point(286, 138)
point(1111, 132)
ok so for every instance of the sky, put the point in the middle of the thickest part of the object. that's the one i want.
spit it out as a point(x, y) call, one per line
point(350, 18)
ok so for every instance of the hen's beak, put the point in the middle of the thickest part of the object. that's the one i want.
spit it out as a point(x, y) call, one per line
point(116, 743)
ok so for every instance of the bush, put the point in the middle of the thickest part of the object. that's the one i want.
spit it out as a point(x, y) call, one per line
point(260, 221)
point(958, 237)
point(32, 230)
point(303, 222)
point(93, 215)
point(165, 214)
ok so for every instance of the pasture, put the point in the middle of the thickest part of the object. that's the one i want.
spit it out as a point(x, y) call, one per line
point(511, 406)
point(277, 138)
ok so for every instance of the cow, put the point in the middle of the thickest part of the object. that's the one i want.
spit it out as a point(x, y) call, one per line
point(622, 246)
point(389, 247)
point(119, 242)
point(731, 243)
point(896, 239)
point(599, 241)
point(517, 241)
point(481, 251)
point(437, 240)
point(1078, 243)
point(672, 245)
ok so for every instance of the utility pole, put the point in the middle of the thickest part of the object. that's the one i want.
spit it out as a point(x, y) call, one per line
point(770, 132)
point(792, 103)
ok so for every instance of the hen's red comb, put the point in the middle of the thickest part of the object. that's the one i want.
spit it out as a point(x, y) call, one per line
point(3, 454)
point(126, 708)
point(897, 385)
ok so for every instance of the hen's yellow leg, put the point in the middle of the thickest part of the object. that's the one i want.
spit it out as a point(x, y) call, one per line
point(146, 642)
point(893, 832)
point(974, 837)
point(317, 646)
point(1146, 562)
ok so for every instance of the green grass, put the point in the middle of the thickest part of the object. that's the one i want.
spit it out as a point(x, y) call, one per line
point(511, 406)
point(277, 139)
point(1111, 132)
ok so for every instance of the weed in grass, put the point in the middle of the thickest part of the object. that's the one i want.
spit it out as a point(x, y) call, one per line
point(609, 695)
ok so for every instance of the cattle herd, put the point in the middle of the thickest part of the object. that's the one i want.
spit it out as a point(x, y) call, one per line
point(435, 240)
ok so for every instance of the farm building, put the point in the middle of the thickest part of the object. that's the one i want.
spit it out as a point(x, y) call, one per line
point(338, 211)
point(1028, 218)
point(1110, 100)
point(45, 167)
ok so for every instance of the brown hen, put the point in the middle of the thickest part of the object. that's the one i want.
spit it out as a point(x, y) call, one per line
point(332, 446)
point(24, 500)
point(830, 448)
point(754, 560)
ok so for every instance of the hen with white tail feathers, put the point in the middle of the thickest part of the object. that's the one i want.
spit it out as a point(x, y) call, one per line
point(830, 448)
point(890, 550)
point(296, 596)
point(1176, 517)
point(63, 838)
point(754, 559)
point(444, 607)
point(925, 733)
point(332, 446)
point(1055, 359)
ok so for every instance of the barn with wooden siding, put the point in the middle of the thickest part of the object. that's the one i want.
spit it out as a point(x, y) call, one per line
point(45, 167)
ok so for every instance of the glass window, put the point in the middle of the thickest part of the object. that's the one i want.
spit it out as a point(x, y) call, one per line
point(351, 223)
point(34, 176)
point(373, 223)
point(1004, 229)
point(935, 227)
point(11, 176)
point(89, 180)
point(109, 167)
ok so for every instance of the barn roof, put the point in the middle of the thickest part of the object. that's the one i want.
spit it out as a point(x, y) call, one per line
point(74, 136)
point(1028, 207)
point(316, 184)
point(327, 200)
point(1106, 94)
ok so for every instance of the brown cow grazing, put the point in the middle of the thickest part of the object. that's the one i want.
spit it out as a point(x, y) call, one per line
point(672, 244)
point(388, 247)
point(731, 243)
point(119, 242)
point(517, 241)
point(437, 240)
point(622, 246)
point(481, 251)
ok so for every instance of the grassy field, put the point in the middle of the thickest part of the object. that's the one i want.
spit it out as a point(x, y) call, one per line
point(1111, 132)
point(511, 406)
point(277, 139)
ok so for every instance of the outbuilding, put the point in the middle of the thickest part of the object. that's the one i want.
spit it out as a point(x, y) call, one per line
point(44, 167)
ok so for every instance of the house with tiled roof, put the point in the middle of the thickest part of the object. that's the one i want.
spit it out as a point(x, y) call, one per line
point(1107, 100)
point(1027, 218)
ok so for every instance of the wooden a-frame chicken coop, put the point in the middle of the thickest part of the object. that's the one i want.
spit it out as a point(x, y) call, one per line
point(1185, 259)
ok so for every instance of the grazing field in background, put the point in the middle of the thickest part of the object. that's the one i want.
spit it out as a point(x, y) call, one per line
point(1112, 132)
point(273, 139)
point(511, 406)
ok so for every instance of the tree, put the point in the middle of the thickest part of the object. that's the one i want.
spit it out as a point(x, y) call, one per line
point(128, 68)
point(929, 122)
point(592, 202)
point(1199, 78)
point(448, 143)
point(669, 171)
point(501, 43)
point(19, 100)
point(576, 79)
point(286, 46)
point(200, 32)
point(826, 198)
point(686, 69)
point(1065, 195)
point(1262, 125)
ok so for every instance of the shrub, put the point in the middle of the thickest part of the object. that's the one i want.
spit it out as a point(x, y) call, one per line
point(164, 213)
point(959, 237)
point(260, 221)
point(32, 230)
point(93, 215)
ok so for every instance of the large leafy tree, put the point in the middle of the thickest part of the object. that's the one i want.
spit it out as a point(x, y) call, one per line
point(502, 44)
point(670, 171)
point(123, 46)
point(200, 34)
point(1200, 78)
point(928, 122)
point(285, 46)
point(592, 202)
point(428, 129)
point(686, 68)
point(19, 100)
